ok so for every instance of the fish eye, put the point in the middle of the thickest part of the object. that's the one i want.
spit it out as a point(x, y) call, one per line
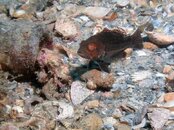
point(92, 47)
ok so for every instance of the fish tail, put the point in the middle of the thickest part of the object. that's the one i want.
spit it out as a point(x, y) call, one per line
point(137, 40)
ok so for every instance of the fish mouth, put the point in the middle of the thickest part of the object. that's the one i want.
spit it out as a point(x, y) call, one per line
point(80, 53)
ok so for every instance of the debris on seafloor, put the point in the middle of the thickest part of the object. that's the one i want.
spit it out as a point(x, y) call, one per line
point(138, 76)
point(43, 118)
point(96, 12)
point(25, 9)
point(67, 90)
point(159, 117)
point(54, 70)
point(170, 79)
point(79, 92)
point(97, 79)
point(123, 126)
point(19, 52)
point(160, 38)
point(149, 45)
point(167, 69)
point(92, 104)
point(92, 121)
point(55, 63)
point(66, 27)
point(107, 43)
point(110, 16)
point(9, 126)
point(169, 97)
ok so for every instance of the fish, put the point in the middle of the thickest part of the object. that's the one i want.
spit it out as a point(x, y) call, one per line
point(107, 43)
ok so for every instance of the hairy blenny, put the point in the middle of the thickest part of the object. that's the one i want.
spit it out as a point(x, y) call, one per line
point(107, 43)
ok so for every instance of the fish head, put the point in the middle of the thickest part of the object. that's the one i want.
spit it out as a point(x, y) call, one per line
point(91, 50)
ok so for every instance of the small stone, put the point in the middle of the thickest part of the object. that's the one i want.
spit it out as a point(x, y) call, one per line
point(128, 52)
point(159, 117)
point(108, 94)
point(117, 113)
point(96, 12)
point(8, 127)
point(169, 97)
point(122, 126)
point(122, 3)
point(141, 53)
point(160, 38)
point(91, 122)
point(111, 16)
point(65, 110)
point(92, 104)
point(84, 18)
point(79, 92)
point(16, 112)
point(109, 121)
point(66, 27)
point(167, 69)
point(68, 96)
point(91, 85)
point(100, 79)
point(170, 48)
point(171, 76)
point(19, 102)
point(39, 15)
point(149, 45)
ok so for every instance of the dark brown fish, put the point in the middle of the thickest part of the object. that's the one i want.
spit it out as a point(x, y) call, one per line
point(108, 43)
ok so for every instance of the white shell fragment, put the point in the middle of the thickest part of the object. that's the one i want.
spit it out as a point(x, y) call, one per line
point(141, 75)
point(79, 92)
point(96, 12)
point(18, 109)
point(141, 53)
point(65, 110)
point(159, 117)
point(122, 3)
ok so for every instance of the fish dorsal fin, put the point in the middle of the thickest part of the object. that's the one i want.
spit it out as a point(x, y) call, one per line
point(117, 30)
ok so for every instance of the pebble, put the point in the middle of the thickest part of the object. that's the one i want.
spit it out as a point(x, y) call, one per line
point(84, 18)
point(91, 122)
point(66, 27)
point(149, 45)
point(117, 113)
point(159, 117)
point(79, 92)
point(16, 112)
point(123, 126)
point(171, 76)
point(169, 97)
point(98, 79)
point(109, 121)
point(160, 38)
point(65, 111)
point(92, 104)
point(8, 127)
point(128, 52)
point(96, 12)
point(170, 48)
point(141, 53)
point(167, 69)
point(122, 3)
